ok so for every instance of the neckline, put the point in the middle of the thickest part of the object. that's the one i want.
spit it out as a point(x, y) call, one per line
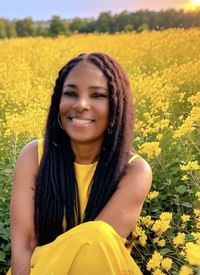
point(86, 165)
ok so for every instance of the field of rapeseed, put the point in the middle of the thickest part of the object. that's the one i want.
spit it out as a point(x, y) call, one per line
point(164, 70)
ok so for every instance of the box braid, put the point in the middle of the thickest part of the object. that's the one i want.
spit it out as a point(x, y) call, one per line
point(56, 185)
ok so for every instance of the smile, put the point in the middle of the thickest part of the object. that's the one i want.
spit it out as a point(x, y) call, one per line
point(81, 122)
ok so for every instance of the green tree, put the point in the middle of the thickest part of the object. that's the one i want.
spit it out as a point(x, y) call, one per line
point(79, 25)
point(41, 31)
point(128, 28)
point(120, 21)
point(104, 22)
point(57, 26)
point(10, 29)
point(2, 28)
point(142, 27)
point(25, 27)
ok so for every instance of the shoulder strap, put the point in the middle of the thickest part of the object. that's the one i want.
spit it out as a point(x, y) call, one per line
point(40, 149)
point(135, 156)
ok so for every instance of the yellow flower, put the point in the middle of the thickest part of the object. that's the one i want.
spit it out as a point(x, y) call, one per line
point(151, 149)
point(166, 264)
point(137, 139)
point(146, 221)
point(196, 237)
point(158, 272)
point(181, 96)
point(161, 243)
point(152, 195)
point(194, 99)
point(192, 165)
point(188, 126)
point(198, 196)
point(185, 218)
point(179, 239)
point(137, 231)
point(140, 234)
point(197, 213)
point(180, 118)
point(166, 216)
point(143, 238)
point(155, 240)
point(182, 253)
point(193, 253)
point(185, 177)
point(159, 227)
point(185, 270)
point(159, 136)
point(155, 261)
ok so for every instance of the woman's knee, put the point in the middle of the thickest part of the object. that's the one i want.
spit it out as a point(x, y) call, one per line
point(97, 230)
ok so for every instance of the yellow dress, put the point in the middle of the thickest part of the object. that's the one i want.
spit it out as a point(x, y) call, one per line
point(91, 248)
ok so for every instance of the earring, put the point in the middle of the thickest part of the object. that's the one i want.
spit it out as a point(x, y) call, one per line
point(59, 122)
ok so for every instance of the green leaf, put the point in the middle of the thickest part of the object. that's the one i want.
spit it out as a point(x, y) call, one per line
point(2, 256)
point(7, 248)
point(189, 237)
point(187, 204)
point(181, 189)
point(165, 251)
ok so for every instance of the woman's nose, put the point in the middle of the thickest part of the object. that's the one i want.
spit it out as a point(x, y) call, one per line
point(81, 104)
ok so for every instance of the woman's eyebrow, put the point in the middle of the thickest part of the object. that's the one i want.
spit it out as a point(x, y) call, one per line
point(97, 87)
point(70, 85)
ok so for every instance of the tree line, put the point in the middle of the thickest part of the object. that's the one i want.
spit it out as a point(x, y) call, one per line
point(105, 23)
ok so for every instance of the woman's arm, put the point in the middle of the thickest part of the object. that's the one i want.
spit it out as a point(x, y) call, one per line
point(124, 207)
point(23, 239)
point(20, 263)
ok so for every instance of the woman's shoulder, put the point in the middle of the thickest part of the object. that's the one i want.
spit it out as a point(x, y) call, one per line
point(30, 148)
point(133, 154)
point(29, 155)
point(138, 164)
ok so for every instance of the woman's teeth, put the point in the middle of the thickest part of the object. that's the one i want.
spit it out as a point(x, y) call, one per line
point(81, 121)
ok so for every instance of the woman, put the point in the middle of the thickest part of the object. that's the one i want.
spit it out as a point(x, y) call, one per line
point(76, 199)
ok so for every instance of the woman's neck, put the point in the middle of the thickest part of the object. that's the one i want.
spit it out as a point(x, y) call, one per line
point(86, 153)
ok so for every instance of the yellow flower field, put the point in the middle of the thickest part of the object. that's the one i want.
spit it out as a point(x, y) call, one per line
point(164, 70)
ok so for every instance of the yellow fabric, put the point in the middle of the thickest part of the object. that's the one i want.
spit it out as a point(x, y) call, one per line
point(89, 248)
point(84, 174)
point(135, 156)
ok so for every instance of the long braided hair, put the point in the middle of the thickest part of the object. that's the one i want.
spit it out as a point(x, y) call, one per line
point(56, 186)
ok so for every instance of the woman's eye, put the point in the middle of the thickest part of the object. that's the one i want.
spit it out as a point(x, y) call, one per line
point(69, 93)
point(98, 95)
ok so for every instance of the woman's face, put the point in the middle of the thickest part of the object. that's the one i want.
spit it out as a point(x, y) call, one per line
point(84, 104)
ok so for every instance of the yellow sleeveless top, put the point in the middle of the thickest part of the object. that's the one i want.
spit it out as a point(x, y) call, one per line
point(84, 174)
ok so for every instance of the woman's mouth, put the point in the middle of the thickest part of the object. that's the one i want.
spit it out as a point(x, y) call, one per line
point(81, 122)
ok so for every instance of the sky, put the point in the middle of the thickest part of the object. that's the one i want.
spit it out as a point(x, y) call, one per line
point(68, 9)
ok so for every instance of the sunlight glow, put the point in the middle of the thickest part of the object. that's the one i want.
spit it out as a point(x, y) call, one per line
point(196, 2)
point(193, 5)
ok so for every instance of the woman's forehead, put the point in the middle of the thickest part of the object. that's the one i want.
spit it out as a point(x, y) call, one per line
point(86, 72)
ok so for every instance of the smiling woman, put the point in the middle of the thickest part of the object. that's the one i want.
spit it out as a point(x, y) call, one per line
point(84, 108)
point(78, 194)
